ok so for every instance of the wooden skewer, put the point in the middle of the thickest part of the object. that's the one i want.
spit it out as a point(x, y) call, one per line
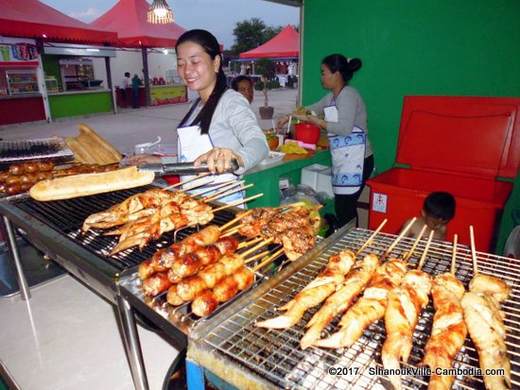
point(371, 238)
point(256, 257)
point(399, 237)
point(235, 220)
point(197, 185)
point(256, 247)
point(473, 250)
point(412, 249)
point(229, 192)
point(224, 189)
point(274, 256)
point(181, 183)
point(454, 254)
point(230, 232)
point(216, 187)
point(240, 201)
point(426, 248)
point(245, 244)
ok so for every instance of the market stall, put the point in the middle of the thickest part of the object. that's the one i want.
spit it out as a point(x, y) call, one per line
point(36, 20)
point(21, 98)
point(128, 19)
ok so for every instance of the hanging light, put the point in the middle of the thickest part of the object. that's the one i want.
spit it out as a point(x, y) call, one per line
point(160, 13)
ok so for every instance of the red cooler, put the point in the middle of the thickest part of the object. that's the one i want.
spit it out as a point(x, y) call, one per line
point(461, 145)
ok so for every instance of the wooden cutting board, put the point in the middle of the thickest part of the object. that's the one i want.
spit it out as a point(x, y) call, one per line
point(90, 148)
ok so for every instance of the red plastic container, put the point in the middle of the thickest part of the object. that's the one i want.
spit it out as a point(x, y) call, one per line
point(307, 133)
point(456, 144)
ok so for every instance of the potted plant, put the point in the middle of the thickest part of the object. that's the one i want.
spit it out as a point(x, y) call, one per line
point(266, 69)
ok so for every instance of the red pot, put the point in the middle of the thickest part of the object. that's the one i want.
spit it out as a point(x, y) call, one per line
point(307, 133)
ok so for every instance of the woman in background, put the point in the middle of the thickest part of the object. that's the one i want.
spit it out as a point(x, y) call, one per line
point(345, 120)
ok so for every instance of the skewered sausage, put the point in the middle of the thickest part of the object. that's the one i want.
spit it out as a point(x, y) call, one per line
point(156, 284)
point(173, 297)
point(205, 303)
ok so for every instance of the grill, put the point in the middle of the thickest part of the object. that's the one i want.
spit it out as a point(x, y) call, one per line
point(67, 216)
point(276, 355)
point(21, 150)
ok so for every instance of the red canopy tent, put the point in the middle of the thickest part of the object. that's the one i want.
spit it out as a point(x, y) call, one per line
point(33, 19)
point(128, 18)
point(284, 45)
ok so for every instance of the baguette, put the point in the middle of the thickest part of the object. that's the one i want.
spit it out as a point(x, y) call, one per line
point(90, 184)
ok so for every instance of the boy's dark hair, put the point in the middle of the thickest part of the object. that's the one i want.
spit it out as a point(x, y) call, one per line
point(238, 79)
point(211, 46)
point(440, 205)
point(127, 74)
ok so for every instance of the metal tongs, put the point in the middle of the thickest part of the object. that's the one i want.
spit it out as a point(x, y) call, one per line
point(185, 168)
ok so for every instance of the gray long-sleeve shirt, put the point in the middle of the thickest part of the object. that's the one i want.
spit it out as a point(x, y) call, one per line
point(351, 112)
point(234, 126)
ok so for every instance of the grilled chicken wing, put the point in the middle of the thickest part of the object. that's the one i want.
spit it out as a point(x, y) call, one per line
point(355, 282)
point(405, 304)
point(448, 329)
point(369, 308)
point(314, 293)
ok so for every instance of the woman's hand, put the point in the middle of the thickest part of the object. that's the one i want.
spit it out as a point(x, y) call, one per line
point(219, 159)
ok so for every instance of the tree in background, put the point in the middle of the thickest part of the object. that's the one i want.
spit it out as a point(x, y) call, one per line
point(252, 33)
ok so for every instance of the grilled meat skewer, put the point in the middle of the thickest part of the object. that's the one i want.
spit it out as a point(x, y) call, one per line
point(314, 293)
point(355, 282)
point(448, 329)
point(369, 308)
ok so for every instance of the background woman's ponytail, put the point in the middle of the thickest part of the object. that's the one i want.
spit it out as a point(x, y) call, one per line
point(211, 46)
point(339, 63)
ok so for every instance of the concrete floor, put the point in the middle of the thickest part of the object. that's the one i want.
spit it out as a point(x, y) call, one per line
point(135, 126)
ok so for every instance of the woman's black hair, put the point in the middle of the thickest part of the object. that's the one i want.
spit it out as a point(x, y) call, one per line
point(338, 62)
point(211, 46)
point(238, 79)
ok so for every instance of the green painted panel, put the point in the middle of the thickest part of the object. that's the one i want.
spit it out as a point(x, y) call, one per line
point(408, 47)
point(79, 104)
point(51, 67)
point(267, 181)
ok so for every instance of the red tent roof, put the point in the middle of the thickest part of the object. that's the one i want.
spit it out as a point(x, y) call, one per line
point(128, 18)
point(284, 45)
point(33, 19)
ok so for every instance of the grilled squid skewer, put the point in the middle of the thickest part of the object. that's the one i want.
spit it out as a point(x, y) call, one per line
point(369, 308)
point(355, 282)
point(314, 293)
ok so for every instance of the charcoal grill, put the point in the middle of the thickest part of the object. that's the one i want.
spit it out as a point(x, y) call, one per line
point(231, 346)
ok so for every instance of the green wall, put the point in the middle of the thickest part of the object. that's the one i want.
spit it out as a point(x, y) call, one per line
point(51, 67)
point(410, 47)
point(67, 105)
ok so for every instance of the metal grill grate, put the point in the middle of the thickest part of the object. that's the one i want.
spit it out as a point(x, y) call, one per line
point(21, 150)
point(67, 216)
point(276, 354)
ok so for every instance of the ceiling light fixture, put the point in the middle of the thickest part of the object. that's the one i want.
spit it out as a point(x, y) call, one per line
point(160, 13)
